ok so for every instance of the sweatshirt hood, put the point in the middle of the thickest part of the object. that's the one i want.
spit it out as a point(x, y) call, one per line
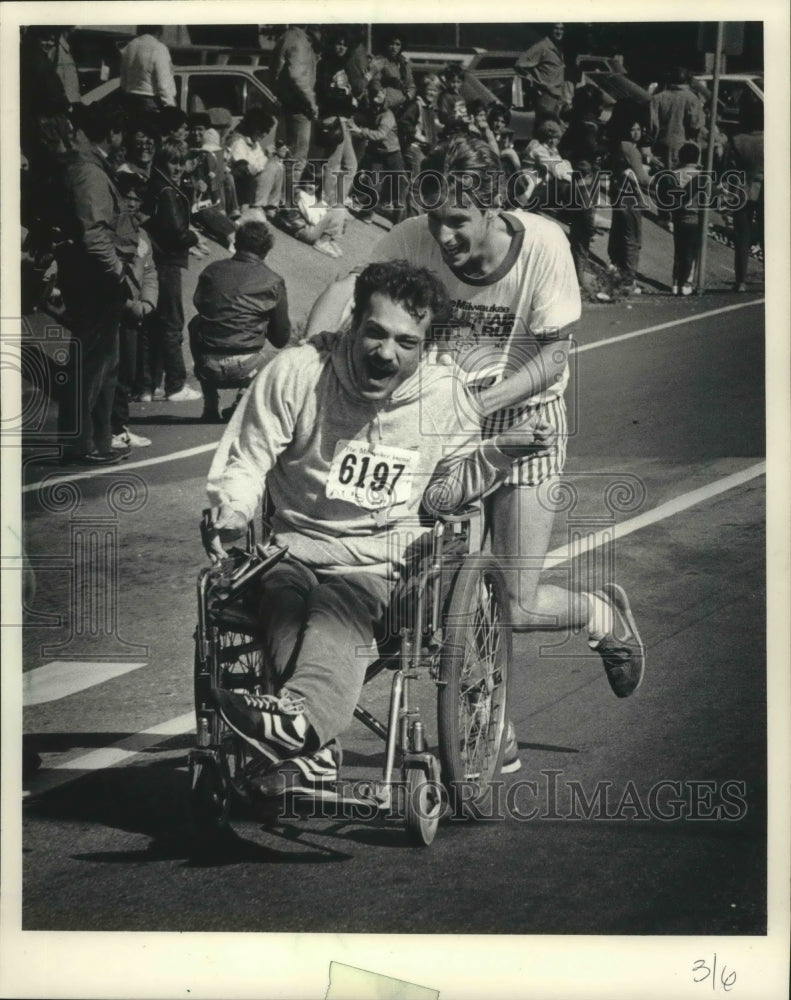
point(341, 356)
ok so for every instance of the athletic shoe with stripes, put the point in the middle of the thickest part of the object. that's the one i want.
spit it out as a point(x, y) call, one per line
point(312, 774)
point(622, 650)
point(273, 724)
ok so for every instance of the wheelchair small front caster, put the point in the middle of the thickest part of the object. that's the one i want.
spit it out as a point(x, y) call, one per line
point(210, 797)
point(423, 806)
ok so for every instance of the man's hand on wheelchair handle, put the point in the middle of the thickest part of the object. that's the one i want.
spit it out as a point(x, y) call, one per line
point(225, 525)
point(533, 437)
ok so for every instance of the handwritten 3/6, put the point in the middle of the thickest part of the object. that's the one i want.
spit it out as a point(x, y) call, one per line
point(703, 971)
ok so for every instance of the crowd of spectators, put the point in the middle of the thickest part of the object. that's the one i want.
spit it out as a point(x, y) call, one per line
point(115, 201)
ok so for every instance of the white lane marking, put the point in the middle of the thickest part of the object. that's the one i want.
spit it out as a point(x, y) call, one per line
point(115, 755)
point(120, 753)
point(660, 513)
point(667, 326)
point(200, 449)
point(60, 678)
point(124, 466)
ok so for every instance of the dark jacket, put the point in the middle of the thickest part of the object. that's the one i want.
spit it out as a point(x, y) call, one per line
point(333, 88)
point(89, 213)
point(168, 209)
point(582, 140)
point(241, 303)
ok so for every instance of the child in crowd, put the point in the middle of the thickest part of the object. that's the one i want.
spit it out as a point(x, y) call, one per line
point(382, 156)
point(685, 216)
point(499, 120)
point(479, 124)
point(168, 208)
point(241, 305)
point(140, 275)
point(418, 122)
point(451, 106)
point(542, 157)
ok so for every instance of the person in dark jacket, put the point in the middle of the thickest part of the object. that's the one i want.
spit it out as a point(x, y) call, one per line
point(41, 93)
point(241, 305)
point(393, 71)
point(91, 279)
point(745, 153)
point(168, 209)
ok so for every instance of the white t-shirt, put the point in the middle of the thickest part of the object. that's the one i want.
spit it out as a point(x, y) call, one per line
point(530, 297)
point(242, 148)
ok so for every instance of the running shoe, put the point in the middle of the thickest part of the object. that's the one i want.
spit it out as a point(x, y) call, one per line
point(313, 774)
point(275, 725)
point(184, 395)
point(622, 650)
point(127, 439)
point(511, 761)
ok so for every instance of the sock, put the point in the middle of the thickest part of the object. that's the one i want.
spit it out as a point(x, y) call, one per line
point(601, 620)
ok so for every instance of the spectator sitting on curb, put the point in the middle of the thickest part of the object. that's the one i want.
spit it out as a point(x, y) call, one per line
point(241, 304)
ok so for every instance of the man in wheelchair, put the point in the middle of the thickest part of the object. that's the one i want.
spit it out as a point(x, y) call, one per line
point(346, 433)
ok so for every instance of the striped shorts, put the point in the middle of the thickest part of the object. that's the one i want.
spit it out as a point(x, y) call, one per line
point(534, 469)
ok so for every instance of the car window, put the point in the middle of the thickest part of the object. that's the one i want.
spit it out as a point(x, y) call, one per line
point(216, 90)
point(502, 88)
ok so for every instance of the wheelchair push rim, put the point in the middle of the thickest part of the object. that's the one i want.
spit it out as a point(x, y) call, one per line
point(475, 664)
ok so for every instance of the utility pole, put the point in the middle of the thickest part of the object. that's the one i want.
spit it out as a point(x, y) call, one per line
point(704, 218)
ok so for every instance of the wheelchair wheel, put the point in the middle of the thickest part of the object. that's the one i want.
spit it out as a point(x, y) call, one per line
point(423, 807)
point(473, 684)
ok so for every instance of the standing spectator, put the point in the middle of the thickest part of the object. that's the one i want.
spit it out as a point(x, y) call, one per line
point(336, 104)
point(294, 72)
point(141, 145)
point(258, 175)
point(679, 193)
point(91, 279)
point(391, 68)
point(358, 67)
point(241, 305)
point(745, 153)
point(43, 102)
point(451, 106)
point(65, 66)
point(628, 178)
point(676, 117)
point(544, 67)
point(168, 209)
point(147, 80)
point(140, 274)
point(382, 158)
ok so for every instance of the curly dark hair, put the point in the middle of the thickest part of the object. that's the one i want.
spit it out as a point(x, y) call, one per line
point(415, 288)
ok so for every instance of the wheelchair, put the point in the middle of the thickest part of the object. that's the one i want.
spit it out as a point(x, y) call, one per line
point(448, 623)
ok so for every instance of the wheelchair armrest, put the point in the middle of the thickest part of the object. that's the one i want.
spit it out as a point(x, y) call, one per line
point(462, 514)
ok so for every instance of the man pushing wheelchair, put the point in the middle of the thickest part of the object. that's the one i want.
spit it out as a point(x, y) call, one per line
point(349, 434)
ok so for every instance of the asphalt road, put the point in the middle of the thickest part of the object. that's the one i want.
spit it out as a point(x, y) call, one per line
point(673, 779)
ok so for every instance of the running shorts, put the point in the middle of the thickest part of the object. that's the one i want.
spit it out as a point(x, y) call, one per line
point(534, 469)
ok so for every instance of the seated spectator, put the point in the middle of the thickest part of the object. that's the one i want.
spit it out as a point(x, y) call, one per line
point(356, 402)
point(381, 164)
point(499, 118)
point(451, 106)
point(542, 157)
point(312, 220)
point(168, 208)
point(392, 70)
point(142, 286)
point(203, 180)
point(258, 175)
point(214, 142)
point(241, 304)
point(479, 124)
point(419, 126)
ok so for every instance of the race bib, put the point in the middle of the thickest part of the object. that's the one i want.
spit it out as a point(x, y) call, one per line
point(373, 477)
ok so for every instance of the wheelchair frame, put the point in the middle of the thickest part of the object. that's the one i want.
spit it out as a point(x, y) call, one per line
point(453, 628)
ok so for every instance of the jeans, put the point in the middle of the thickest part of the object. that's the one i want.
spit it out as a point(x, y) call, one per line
point(685, 251)
point(84, 410)
point(319, 632)
point(582, 227)
point(331, 226)
point(224, 371)
point(748, 228)
point(295, 130)
point(161, 345)
point(264, 189)
point(626, 240)
point(127, 370)
point(339, 169)
point(386, 173)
